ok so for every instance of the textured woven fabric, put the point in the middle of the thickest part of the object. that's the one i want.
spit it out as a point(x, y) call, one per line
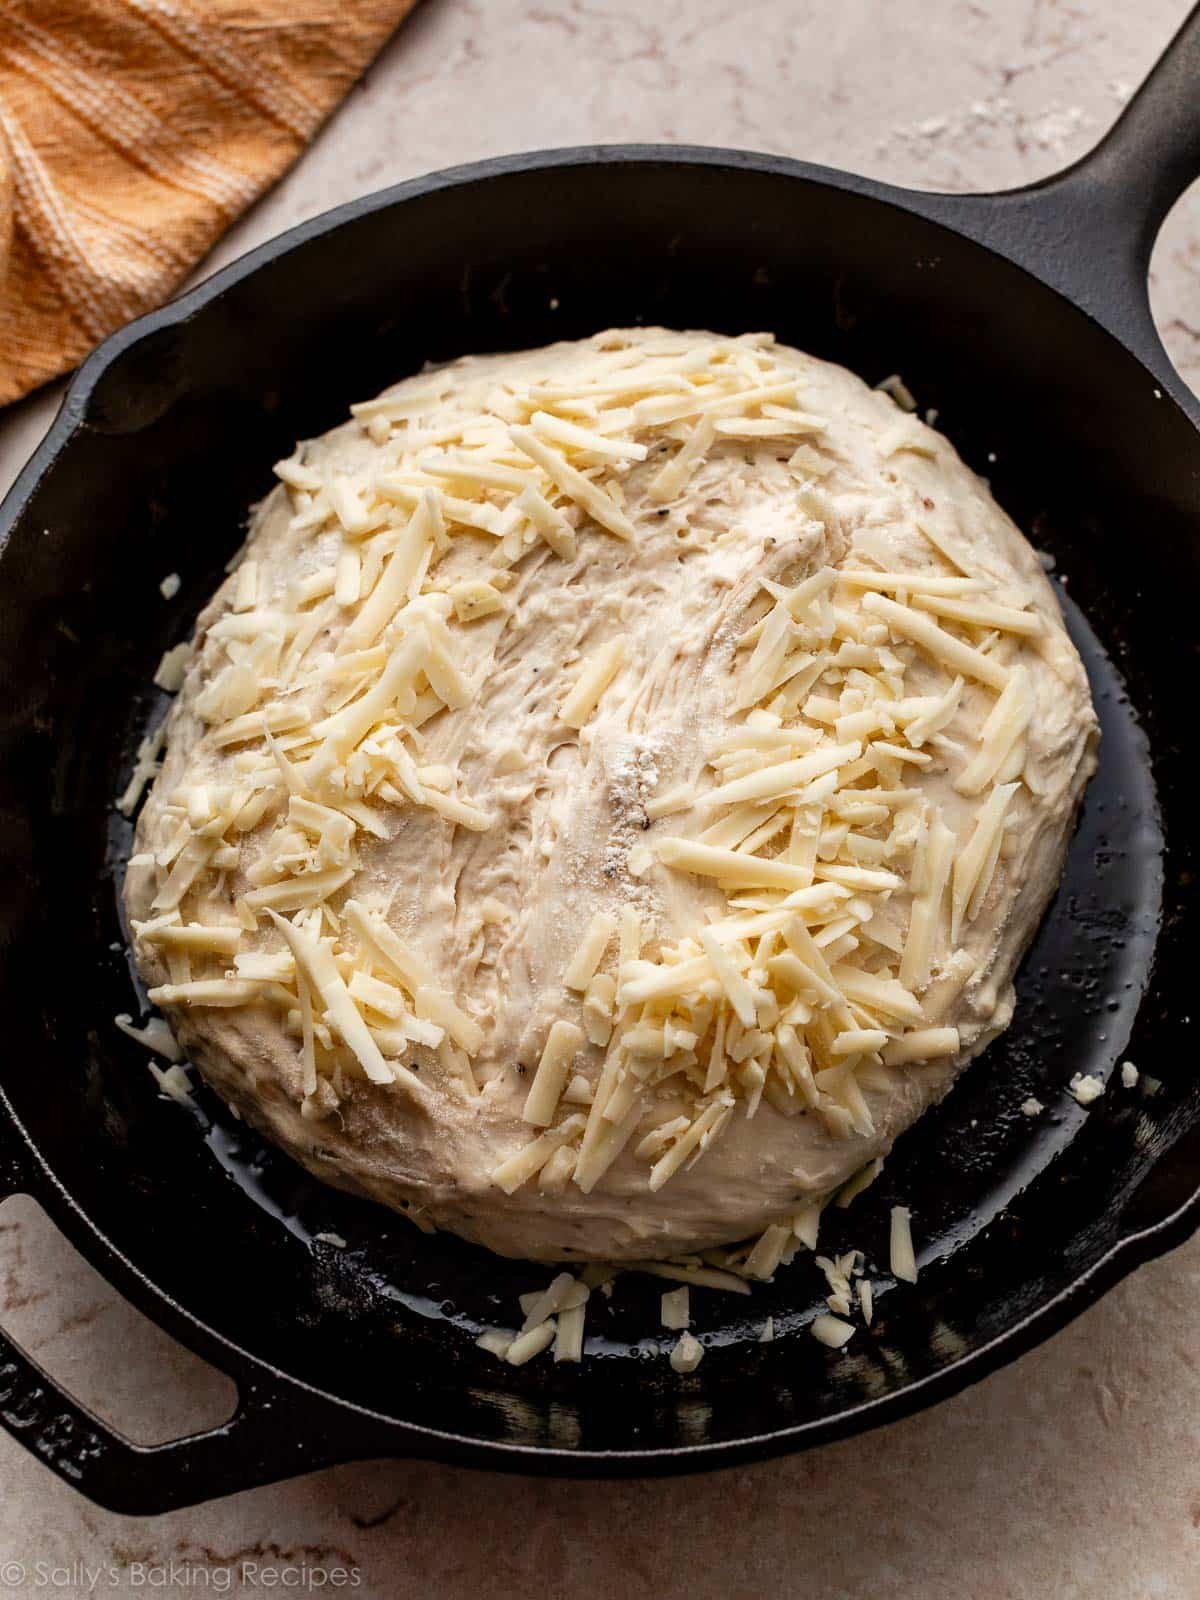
point(132, 133)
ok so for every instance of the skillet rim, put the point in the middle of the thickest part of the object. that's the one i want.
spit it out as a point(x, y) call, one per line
point(34, 1176)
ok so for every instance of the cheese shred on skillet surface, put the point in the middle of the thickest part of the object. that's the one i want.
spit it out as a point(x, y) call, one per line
point(609, 801)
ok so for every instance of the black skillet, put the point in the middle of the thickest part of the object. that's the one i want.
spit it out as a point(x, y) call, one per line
point(1023, 319)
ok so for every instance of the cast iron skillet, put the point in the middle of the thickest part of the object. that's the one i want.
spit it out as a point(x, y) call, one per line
point(1023, 318)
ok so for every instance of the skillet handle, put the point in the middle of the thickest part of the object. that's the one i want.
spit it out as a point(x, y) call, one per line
point(1089, 230)
point(121, 1476)
point(273, 1434)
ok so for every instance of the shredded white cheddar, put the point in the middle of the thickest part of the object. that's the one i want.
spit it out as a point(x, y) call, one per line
point(943, 646)
point(581, 969)
point(903, 1258)
point(156, 1035)
point(598, 505)
point(687, 1353)
point(831, 1331)
point(597, 672)
point(1086, 1088)
point(675, 1311)
point(563, 1044)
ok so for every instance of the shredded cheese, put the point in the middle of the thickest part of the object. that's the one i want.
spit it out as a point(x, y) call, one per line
point(942, 646)
point(922, 1044)
point(701, 1277)
point(675, 1309)
point(686, 1354)
point(975, 863)
point(155, 1036)
point(563, 1043)
point(527, 1345)
point(903, 1258)
point(598, 505)
point(530, 1160)
point(831, 1331)
point(597, 672)
point(473, 598)
point(768, 1251)
point(321, 971)
point(1086, 1088)
point(672, 479)
point(587, 958)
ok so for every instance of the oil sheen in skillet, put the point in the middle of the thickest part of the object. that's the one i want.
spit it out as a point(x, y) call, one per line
point(610, 800)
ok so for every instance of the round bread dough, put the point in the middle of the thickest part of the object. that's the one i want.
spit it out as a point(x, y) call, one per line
point(782, 484)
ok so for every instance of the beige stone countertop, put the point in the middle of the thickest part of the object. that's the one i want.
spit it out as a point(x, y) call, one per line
point(1074, 1472)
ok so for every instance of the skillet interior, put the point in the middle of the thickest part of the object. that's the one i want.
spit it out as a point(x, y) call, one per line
point(175, 443)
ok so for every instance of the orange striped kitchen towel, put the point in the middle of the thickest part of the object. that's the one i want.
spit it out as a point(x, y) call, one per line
point(132, 133)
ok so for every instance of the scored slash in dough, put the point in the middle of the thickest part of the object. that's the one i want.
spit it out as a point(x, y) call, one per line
point(639, 609)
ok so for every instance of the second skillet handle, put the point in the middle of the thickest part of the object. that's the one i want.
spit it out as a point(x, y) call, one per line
point(268, 1438)
point(1089, 231)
